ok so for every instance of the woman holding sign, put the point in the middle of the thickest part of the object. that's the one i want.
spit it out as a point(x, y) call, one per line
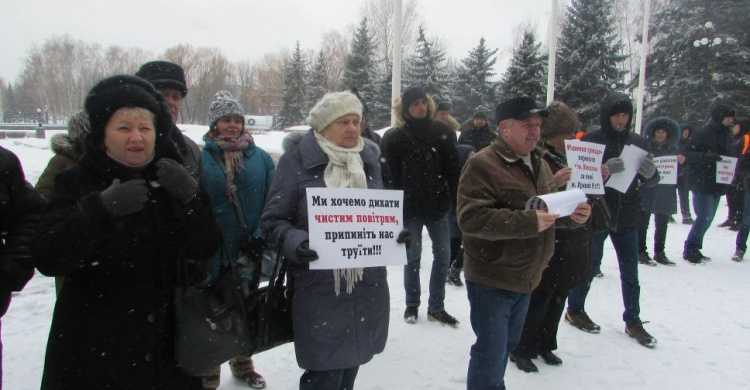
point(340, 316)
point(662, 134)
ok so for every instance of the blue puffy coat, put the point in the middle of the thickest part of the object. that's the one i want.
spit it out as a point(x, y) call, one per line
point(330, 331)
point(252, 187)
point(661, 199)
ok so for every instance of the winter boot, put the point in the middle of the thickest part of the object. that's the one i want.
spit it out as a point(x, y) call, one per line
point(661, 258)
point(454, 277)
point(738, 256)
point(243, 369)
point(645, 259)
point(550, 358)
point(637, 332)
point(411, 314)
point(726, 223)
point(523, 364)
point(687, 220)
point(212, 379)
point(582, 322)
point(444, 318)
point(693, 257)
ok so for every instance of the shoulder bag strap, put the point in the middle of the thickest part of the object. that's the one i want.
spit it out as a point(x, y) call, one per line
point(235, 200)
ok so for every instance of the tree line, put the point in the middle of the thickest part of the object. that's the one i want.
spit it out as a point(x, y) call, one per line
point(698, 55)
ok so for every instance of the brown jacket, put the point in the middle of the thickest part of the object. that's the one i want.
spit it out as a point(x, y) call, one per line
point(502, 248)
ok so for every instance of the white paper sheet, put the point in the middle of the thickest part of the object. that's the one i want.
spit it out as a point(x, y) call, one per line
point(563, 203)
point(632, 157)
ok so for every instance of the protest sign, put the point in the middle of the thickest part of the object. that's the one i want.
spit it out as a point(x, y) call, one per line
point(667, 168)
point(562, 203)
point(725, 169)
point(631, 157)
point(586, 160)
point(355, 228)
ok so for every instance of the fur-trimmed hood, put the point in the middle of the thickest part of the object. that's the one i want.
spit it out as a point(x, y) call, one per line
point(666, 123)
point(452, 123)
point(63, 145)
point(398, 108)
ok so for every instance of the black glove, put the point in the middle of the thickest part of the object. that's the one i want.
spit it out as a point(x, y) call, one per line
point(305, 254)
point(404, 237)
point(713, 157)
point(176, 179)
point(126, 198)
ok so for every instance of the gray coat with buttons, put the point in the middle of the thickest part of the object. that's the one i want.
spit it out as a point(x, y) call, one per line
point(330, 331)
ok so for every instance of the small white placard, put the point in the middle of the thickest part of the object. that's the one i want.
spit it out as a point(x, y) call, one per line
point(667, 168)
point(562, 203)
point(586, 160)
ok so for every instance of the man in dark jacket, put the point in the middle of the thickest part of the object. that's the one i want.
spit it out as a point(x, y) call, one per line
point(479, 135)
point(702, 153)
point(423, 161)
point(506, 246)
point(20, 211)
point(169, 79)
point(616, 216)
point(683, 190)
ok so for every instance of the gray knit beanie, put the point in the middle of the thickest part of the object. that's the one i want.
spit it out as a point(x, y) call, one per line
point(333, 106)
point(224, 104)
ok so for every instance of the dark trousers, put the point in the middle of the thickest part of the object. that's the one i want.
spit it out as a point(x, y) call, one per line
point(660, 232)
point(683, 193)
point(457, 253)
point(542, 319)
point(744, 231)
point(735, 203)
point(329, 380)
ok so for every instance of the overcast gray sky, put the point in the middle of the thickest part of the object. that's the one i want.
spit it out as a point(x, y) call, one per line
point(246, 29)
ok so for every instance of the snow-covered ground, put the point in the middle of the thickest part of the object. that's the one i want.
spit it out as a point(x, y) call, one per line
point(699, 314)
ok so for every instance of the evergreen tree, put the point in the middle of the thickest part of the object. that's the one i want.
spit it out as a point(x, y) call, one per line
point(427, 67)
point(359, 64)
point(588, 58)
point(381, 105)
point(293, 91)
point(699, 57)
point(317, 85)
point(474, 87)
point(526, 75)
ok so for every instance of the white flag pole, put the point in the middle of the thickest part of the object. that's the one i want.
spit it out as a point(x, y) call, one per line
point(552, 52)
point(396, 55)
point(642, 70)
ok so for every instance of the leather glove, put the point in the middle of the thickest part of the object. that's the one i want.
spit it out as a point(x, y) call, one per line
point(404, 237)
point(713, 157)
point(176, 179)
point(125, 198)
point(305, 254)
point(647, 168)
point(615, 165)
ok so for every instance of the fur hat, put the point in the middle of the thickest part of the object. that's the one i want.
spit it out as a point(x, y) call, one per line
point(411, 95)
point(333, 106)
point(78, 127)
point(116, 92)
point(561, 120)
point(519, 108)
point(224, 104)
point(163, 74)
point(721, 111)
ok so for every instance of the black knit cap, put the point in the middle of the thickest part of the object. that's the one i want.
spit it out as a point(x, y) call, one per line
point(116, 92)
point(480, 114)
point(519, 108)
point(163, 74)
point(721, 111)
point(444, 105)
point(411, 95)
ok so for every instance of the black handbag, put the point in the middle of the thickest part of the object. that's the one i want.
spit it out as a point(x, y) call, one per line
point(211, 321)
point(269, 309)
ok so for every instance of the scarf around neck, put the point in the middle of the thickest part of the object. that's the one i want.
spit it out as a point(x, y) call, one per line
point(233, 149)
point(344, 170)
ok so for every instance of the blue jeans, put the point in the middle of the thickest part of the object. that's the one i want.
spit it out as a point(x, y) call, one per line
point(329, 380)
point(497, 318)
point(704, 206)
point(626, 246)
point(437, 228)
point(744, 231)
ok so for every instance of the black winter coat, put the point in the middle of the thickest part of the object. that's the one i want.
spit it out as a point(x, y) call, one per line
point(20, 210)
point(569, 266)
point(478, 137)
point(623, 209)
point(113, 325)
point(423, 161)
point(712, 140)
point(330, 331)
point(661, 199)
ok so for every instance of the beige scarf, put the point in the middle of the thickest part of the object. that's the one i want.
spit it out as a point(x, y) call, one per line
point(344, 170)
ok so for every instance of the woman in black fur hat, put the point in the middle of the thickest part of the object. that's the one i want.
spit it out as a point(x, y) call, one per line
point(116, 227)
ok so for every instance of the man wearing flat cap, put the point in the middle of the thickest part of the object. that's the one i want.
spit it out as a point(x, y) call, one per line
point(506, 247)
point(423, 161)
point(169, 79)
point(478, 134)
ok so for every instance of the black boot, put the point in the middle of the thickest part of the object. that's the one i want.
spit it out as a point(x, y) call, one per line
point(454, 277)
point(523, 364)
